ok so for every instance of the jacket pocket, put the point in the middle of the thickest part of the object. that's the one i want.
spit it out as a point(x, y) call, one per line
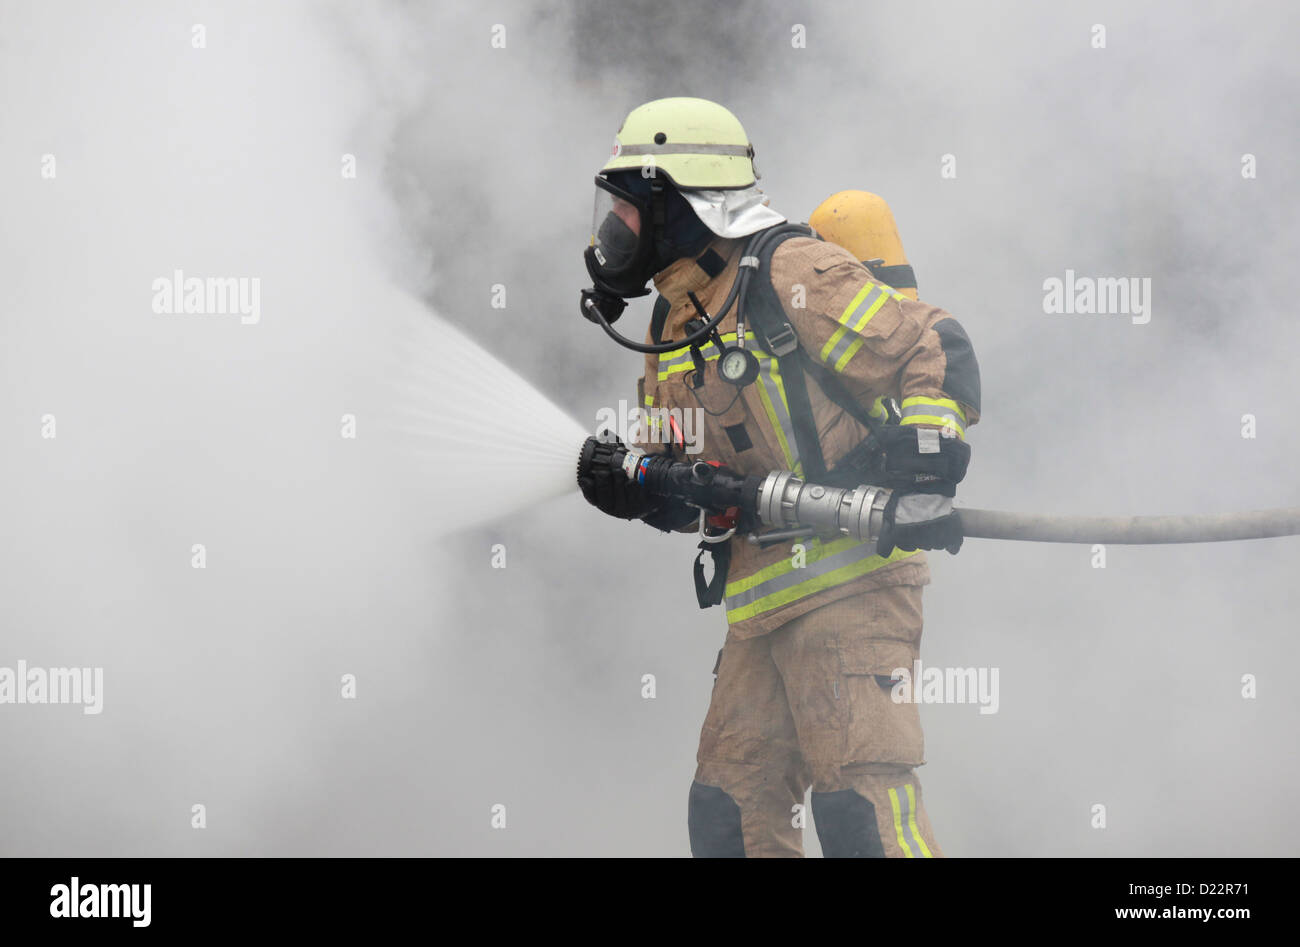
point(825, 256)
point(881, 729)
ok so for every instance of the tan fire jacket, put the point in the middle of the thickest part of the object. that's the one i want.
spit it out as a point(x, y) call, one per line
point(881, 344)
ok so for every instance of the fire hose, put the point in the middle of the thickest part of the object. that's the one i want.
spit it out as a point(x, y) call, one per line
point(789, 506)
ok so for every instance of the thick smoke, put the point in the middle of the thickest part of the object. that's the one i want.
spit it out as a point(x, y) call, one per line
point(521, 685)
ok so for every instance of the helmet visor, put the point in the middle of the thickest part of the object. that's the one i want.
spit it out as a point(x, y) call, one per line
point(618, 225)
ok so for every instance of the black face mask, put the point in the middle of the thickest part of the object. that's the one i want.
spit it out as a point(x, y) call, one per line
point(617, 239)
point(640, 226)
point(621, 258)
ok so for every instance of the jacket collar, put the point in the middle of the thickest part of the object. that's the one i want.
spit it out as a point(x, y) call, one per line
point(692, 274)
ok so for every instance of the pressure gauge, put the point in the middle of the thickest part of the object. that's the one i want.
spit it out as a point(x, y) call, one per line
point(737, 367)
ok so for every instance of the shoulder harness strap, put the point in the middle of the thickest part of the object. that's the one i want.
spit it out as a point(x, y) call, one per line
point(764, 310)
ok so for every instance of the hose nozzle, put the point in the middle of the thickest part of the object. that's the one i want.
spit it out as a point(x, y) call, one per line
point(780, 501)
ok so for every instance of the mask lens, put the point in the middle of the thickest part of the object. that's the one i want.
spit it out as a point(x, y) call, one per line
point(615, 230)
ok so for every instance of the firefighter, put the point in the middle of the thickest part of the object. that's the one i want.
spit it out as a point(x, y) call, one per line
point(840, 377)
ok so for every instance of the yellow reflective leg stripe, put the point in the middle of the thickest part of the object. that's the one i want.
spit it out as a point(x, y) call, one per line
point(911, 822)
point(898, 823)
point(817, 551)
point(903, 802)
point(826, 566)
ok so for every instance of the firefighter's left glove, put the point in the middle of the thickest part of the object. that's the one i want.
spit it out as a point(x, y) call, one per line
point(922, 460)
point(609, 491)
point(919, 521)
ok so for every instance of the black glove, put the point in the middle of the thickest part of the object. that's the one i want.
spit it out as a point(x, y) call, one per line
point(671, 515)
point(611, 492)
point(922, 460)
point(919, 521)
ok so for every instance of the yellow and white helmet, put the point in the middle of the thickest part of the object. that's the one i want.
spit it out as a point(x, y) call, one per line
point(695, 143)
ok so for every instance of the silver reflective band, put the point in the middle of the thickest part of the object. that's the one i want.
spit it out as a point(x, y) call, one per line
point(812, 571)
point(743, 151)
point(769, 374)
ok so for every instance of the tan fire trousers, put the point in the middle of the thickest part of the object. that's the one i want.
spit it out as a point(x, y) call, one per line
point(809, 705)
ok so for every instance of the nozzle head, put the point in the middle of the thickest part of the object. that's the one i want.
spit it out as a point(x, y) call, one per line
point(605, 451)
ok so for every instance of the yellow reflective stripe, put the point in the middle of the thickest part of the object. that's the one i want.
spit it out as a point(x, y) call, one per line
point(844, 320)
point(837, 349)
point(769, 376)
point(857, 343)
point(679, 360)
point(941, 402)
point(911, 822)
point(943, 412)
point(814, 583)
point(686, 349)
point(709, 352)
point(818, 551)
point(898, 823)
point(652, 418)
point(858, 326)
point(871, 311)
point(828, 350)
point(877, 409)
point(851, 351)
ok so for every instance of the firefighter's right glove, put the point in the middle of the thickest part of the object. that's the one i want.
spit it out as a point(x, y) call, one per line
point(611, 492)
point(919, 521)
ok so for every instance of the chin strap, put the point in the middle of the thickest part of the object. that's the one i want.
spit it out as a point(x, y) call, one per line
point(658, 217)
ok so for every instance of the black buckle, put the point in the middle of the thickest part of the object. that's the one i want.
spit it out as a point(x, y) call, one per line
point(696, 378)
point(784, 342)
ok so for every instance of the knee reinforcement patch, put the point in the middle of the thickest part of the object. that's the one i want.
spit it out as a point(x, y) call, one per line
point(846, 825)
point(713, 819)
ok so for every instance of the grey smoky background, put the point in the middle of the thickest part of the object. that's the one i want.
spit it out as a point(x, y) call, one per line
point(522, 686)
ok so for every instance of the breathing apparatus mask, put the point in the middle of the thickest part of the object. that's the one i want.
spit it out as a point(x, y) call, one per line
point(640, 225)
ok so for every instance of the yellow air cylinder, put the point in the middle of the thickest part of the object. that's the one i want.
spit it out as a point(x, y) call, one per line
point(863, 224)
